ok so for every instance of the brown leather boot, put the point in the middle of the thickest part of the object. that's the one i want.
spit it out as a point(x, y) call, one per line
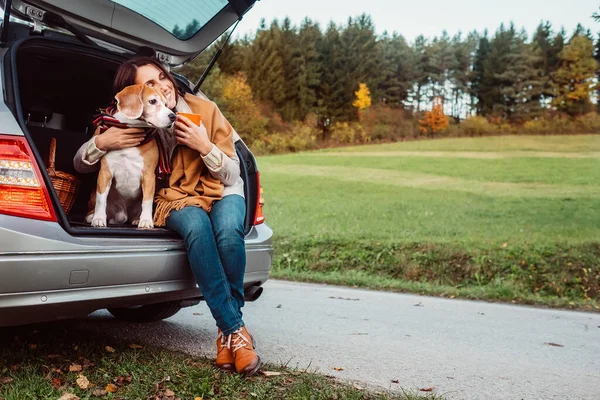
point(247, 362)
point(224, 354)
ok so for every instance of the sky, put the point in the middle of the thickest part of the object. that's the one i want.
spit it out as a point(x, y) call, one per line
point(429, 17)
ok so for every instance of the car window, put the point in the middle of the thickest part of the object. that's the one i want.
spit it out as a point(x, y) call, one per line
point(183, 18)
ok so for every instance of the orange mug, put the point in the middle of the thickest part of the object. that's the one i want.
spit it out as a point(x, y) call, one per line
point(195, 118)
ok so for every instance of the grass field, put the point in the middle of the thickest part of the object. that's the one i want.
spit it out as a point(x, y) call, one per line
point(510, 218)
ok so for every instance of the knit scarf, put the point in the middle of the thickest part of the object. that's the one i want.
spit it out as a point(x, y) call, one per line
point(191, 183)
point(105, 119)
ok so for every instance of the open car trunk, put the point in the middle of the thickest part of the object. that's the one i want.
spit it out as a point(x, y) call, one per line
point(60, 85)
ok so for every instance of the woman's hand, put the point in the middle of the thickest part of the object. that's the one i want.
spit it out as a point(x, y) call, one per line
point(116, 138)
point(193, 136)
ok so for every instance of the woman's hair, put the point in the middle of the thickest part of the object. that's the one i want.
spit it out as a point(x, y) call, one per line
point(127, 71)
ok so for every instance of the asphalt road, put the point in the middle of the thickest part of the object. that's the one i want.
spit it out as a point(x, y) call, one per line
point(464, 349)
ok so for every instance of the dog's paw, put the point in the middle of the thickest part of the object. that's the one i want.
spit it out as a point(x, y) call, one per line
point(146, 224)
point(99, 222)
point(89, 218)
point(135, 222)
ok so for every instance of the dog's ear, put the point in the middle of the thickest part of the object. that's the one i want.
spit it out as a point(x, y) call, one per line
point(129, 101)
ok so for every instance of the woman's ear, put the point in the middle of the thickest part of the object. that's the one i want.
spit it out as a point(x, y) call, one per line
point(129, 101)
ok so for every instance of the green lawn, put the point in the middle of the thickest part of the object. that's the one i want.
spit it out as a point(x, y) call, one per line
point(534, 196)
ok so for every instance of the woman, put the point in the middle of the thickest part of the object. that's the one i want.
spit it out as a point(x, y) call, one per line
point(203, 202)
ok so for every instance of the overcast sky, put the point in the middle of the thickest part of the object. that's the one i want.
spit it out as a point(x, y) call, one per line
point(429, 17)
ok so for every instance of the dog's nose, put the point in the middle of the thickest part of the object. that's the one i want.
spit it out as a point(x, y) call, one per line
point(172, 117)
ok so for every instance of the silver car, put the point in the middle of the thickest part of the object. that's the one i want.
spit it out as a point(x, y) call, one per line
point(58, 59)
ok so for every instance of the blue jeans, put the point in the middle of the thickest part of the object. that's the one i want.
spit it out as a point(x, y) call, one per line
point(217, 254)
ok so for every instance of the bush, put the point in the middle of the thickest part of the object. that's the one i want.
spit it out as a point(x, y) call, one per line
point(349, 133)
point(589, 123)
point(388, 124)
point(476, 126)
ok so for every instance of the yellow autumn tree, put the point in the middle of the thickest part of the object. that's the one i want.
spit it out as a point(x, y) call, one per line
point(434, 120)
point(241, 109)
point(363, 97)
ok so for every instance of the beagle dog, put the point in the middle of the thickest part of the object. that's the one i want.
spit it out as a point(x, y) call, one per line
point(126, 181)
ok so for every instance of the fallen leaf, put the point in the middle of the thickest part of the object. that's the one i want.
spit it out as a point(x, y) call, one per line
point(68, 396)
point(197, 314)
point(125, 378)
point(419, 304)
point(56, 383)
point(395, 381)
point(99, 392)
point(33, 346)
point(453, 296)
point(197, 398)
point(75, 368)
point(169, 393)
point(504, 244)
point(111, 388)
point(109, 349)
point(83, 382)
point(6, 379)
point(135, 346)
point(427, 389)
point(278, 306)
point(358, 387)
point(270, 373)
point(553, 344)
point(338, 368)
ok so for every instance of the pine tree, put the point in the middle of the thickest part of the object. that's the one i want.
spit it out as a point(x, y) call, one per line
point(265, 69)
point(397, 68)
point(502, 47)
point(310, 37)
point(441, 63)
point(421, 77)
point(292, 106)
point(461, 75)
point(330, 94)
point(573, 82)
point(481, 82)
point(524, 82)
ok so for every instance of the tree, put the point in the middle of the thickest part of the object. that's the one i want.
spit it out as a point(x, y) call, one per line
point(502, 47)
point(421, 74)
point(524, 83)
point(310, 37)
point(397, 69)
point(441, 63)
point(434, 120)
point(239, 107)
point(363, 97)
point(265, 67)
point(480, 85)
point(573, 82)
point(187, 32)
point(462, 74)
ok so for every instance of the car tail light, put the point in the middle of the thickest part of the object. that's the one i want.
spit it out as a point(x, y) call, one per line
point(259, 217)
point(22, 189)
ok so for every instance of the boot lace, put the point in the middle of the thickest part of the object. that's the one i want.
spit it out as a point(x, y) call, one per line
point(237, 340)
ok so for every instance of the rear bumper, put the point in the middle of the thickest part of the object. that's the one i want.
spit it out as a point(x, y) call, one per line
point(69, 277)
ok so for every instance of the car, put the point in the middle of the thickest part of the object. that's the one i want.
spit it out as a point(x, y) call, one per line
point(58, 59)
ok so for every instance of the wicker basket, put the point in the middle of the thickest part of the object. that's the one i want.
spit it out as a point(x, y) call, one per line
point(65, 184)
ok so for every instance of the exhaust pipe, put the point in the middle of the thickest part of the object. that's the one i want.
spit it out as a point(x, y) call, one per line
point(252, 293)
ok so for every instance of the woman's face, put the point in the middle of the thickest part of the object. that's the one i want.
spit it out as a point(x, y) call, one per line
point(151, 76)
